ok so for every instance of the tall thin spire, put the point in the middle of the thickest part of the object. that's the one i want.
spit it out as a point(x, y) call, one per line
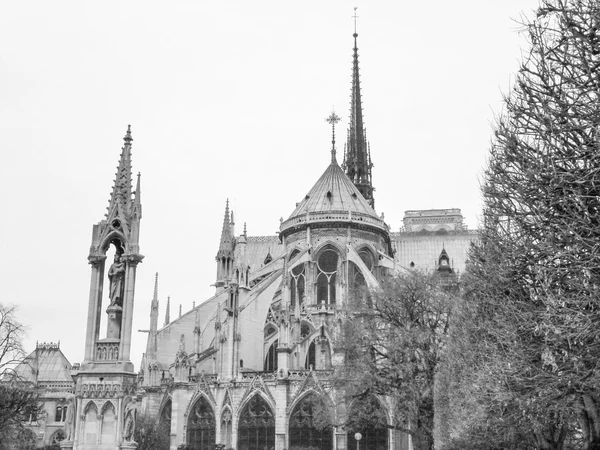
point(226, 244)
point(357, 158)
point(168, 313)
point(152, 336)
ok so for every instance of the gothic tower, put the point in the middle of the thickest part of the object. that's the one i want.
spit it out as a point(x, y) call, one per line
point(106, 383)
point(357, 155)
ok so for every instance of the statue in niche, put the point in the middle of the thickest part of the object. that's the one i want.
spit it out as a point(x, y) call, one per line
point(129, 423)
point(116, 276)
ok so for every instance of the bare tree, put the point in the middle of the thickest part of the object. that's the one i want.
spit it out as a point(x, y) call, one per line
point(18, 399)
point(539, 257)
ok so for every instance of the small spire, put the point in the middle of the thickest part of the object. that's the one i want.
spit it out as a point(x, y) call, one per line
point(168, 313)
point(120, 197)
point(245, 233)
point(333, 119)
point(226, 244)
point(193, 304)
point(355, 17)
point(180, 310)
point(155, 297)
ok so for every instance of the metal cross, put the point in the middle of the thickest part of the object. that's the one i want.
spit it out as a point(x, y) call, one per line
point(333, 119)
point(355, 17)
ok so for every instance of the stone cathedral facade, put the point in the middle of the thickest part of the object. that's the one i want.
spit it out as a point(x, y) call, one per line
point(246, 367)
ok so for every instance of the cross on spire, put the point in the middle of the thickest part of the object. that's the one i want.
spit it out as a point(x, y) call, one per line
point(355, 17)
point(333, 119)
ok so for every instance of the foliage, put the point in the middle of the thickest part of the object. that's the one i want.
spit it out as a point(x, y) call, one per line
point(392, 342)
point(522, 362)
point(149, 435)
point(18, 438)
point(18, 400)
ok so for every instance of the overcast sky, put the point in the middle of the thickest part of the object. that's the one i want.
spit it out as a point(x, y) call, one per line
point(226, 99)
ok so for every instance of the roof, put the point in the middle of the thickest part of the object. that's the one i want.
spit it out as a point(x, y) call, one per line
point(46, 363)
point(334, 198)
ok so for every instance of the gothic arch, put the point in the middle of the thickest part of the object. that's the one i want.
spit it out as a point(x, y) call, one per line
point(89, 427)
point(256, 423)
point(57, 437)
point(165, 413)
point(110, 238)
point(201, 425)
point(309, 413)
point(331, 244)
point(226, 419)
point(370, 251)
point(375, 435)
point(253, 391)
point(195, 398)
point(108, 426)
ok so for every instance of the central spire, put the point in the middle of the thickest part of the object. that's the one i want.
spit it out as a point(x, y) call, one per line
point(333, 119)
point(357, 156)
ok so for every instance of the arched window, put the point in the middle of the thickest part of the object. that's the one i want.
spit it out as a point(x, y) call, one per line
point(311, 356)
point(358, 292)
point(201, 426)
point(297, 285)
point(107, 433)
point(90, 426)
point(327, 270)
point(58, 414)
point(309, 424)
point(367, 258)
point(256, 428)
point(164, 423)
point(271, 358)
point(368, 419)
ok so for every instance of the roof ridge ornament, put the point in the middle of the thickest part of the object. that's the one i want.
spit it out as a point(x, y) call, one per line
point(333, 119)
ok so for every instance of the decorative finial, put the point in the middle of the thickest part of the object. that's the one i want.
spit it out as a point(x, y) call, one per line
point(245, 230)
point(180, 310)
point(355, 17)
point(333, 119)
point(128, 137)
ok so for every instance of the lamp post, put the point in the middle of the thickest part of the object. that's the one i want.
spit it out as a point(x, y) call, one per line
point(358, 437)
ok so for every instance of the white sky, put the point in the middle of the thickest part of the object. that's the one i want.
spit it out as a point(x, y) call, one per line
point(225, 99)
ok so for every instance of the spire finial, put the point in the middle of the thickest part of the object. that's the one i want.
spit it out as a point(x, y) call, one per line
point(333, 119)
point(245, 229)
point(355, 17)
point(128, 137)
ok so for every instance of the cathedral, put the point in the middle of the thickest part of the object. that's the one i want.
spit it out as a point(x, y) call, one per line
point(245, 368)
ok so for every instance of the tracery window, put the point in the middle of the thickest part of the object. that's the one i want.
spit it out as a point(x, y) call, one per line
point(57, 437)
point(256, 429)
point(201, 428)
point(371, 422)
point(271, 358)
point(226, 429)
point(297, 285)
point(326, 277)
point(303, 432)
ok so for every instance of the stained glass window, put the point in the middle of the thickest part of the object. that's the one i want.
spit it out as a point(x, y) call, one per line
point(201, 431)
point(327, 269)
point(309, 425)
point(271, 358)
point(256, 429)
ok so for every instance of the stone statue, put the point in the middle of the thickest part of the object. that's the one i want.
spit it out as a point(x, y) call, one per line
point(70, 419)
point(129, 423)
point(116, 275)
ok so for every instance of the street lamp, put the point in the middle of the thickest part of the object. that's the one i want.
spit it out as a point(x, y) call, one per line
point(358, 437)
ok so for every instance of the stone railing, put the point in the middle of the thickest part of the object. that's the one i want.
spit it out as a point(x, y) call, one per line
point(334, 216)
point(107, 351)
point(65, 386)
point(209, 377)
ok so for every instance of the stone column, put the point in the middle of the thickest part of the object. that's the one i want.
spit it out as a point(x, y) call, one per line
point(94, 305)
point(132, 261)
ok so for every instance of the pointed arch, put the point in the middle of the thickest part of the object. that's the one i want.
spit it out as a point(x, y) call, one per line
point(256, 424)
point(108, 424)
point(227, 426)
point(164, 416)
point(89, 430)
point(310, 423)
point(370, 418)
point(270, 360)
point(328, 260)
point(201, 424)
